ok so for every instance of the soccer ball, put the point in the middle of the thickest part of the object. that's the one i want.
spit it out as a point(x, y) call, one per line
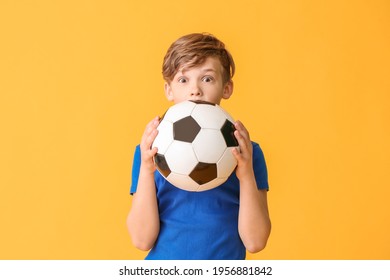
point(194, 144)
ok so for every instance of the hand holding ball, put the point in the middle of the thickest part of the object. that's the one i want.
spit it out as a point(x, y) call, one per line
point(194, 144)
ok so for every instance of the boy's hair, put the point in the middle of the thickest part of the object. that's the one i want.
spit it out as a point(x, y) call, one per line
point(192, 50)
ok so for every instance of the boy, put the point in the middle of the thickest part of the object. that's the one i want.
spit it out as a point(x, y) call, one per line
point(221, 223)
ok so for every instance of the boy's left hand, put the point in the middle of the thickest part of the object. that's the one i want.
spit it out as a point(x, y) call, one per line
point(243, 155)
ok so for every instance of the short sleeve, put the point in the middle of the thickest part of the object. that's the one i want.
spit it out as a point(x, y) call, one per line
point(135, 170)
point(260, 168)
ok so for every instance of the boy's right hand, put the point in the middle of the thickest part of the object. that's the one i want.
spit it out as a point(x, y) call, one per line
point(147, 153)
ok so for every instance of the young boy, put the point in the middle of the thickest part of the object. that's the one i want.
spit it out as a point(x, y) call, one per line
point(221, 223)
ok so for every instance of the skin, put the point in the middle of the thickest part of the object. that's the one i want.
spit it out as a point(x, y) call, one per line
point(203, 82)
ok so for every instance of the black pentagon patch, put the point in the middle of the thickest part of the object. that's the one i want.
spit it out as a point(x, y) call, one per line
point(228, 134)
point(204, 173)
point(185, 129)
point(162, 165)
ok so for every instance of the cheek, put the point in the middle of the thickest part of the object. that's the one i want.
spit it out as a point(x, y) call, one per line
point(179, 98)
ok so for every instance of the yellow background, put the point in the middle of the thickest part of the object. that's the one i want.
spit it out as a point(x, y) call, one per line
point(80, 79)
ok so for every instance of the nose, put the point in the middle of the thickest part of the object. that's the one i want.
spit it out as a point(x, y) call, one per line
point(195, 90)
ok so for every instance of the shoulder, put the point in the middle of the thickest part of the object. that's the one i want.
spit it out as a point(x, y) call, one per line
point(258, 154)
point(257, 149)
point(260, 167)
point(255, 144)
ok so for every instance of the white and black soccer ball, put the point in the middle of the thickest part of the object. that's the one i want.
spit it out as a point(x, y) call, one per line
point(194, 144)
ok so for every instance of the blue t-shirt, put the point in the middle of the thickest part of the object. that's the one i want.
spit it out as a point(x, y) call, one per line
point(200, 225)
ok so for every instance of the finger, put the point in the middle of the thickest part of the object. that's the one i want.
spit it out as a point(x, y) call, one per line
point(241, 128)
point(237, 155)
point(147, 155)
point(153, 124)
point(151, 137)
point(152, 152)
point(244, 133)
point(242, 142)
point(148, 138)
point(150, 127)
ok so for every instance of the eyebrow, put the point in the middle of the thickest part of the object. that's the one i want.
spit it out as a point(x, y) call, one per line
point(209, 70)
point(183, 70)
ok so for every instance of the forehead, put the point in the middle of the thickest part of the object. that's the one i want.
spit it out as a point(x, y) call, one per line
point(210, 64)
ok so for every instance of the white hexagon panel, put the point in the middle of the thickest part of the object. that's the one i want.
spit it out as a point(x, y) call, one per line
point(203, 115)
point(209, 145)
point(164, 137)
point(182, 110)
point(226, 164)
point(181, 158)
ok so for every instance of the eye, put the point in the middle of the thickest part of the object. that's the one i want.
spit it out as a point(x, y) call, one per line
point(207, 79)
point(182, 80)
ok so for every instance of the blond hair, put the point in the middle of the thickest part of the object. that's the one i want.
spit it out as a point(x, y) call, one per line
point(192, 50)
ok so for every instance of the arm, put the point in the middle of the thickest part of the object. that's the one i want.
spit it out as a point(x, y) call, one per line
point(254, 224)
point(143, 220)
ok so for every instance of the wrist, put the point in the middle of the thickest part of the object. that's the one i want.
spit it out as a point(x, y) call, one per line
point(147, 168)
point(246, 177)
point(245, 172)
point(247, 180)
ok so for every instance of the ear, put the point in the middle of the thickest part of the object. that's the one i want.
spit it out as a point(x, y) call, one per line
point(228, 90)
point(168, 91)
